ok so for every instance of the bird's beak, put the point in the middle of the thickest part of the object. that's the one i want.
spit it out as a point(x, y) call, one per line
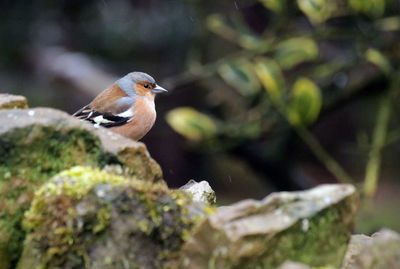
point(159, 89)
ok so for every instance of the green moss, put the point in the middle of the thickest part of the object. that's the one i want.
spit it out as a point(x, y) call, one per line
point(103, 218)
point(55, 206)
point(68, 187)
point(38, 153)
point(29, 157)
point(136, 162)
point(80, 210)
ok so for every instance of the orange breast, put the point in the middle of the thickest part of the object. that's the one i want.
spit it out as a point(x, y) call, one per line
point(144, 116)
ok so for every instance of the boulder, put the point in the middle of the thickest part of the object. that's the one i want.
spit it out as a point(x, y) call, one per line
point(311, 227)
point(36, 144)
point(87, 218)
point(379, 251)
point(10, 101)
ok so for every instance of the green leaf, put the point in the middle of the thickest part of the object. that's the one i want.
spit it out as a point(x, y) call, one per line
point(190, 123)
point(377, 58)
point(317, 11)
point(305, 103)
point(240, 75)
point(296, 50)
point(236, 32)
point(270, 75)
point(372, 8)
point(388, 23)
point(250, 41)
point(275, 5)
point(218, 25)
point(327, 69)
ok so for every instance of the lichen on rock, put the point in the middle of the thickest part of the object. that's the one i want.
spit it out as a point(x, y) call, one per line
point(88, 218)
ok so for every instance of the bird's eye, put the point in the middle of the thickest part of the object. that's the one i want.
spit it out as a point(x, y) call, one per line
point(146, 86)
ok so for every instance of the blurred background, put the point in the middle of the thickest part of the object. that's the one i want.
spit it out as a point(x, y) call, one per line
point(264, 95)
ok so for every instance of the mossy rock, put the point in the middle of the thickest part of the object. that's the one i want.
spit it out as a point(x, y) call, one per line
point(311, 227)
point(87, 218)
point(36, 144)
point(10, 101)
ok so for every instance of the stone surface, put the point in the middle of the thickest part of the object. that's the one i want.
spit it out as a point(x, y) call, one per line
point(10, 101)
point(36, 144)
point(87, 218)
point(380, 251)
point(201, 191)
point(312, 227)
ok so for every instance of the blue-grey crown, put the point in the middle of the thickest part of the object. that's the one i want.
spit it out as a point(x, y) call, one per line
point(126, 82)
point(140, 76)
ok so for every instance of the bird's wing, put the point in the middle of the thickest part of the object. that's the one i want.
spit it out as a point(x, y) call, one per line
point(116, 114)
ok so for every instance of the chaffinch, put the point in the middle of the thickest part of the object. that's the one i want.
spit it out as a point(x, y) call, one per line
point(126, 107)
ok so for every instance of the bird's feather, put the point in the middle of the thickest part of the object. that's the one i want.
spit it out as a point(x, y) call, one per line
point(101, 119)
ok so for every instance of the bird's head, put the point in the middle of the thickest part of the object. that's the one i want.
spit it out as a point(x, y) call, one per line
point(140, 84)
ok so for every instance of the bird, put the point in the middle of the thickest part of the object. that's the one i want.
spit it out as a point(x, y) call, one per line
point(126, 107)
